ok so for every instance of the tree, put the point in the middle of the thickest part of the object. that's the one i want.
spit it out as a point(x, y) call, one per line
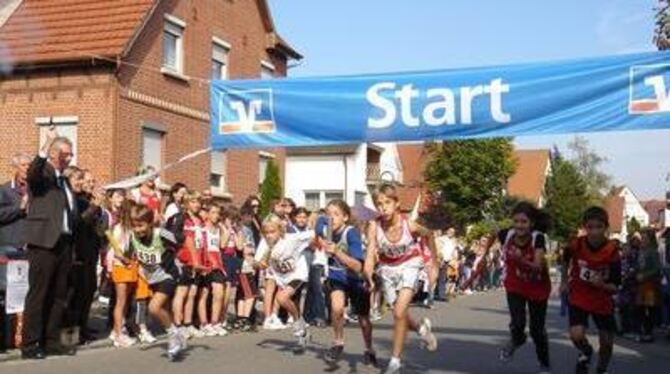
point(662, 29)
point(566, 197)
point(470, 176)
point(271, 187)
point(589, 164)
point(633, 225)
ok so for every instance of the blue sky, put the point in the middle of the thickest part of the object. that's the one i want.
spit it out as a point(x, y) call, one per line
point(353, 36)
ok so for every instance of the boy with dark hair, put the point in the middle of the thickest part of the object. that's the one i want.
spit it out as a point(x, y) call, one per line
point(591, 275)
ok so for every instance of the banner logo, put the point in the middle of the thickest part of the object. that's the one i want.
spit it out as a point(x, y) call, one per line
point(648, 90)
point(246, 112)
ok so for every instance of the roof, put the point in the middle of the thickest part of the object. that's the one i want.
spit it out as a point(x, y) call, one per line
point(43, 31)
point(615, 210)
point(530, 175)
point(50, 31)
point(413, 158)
point(654, 209)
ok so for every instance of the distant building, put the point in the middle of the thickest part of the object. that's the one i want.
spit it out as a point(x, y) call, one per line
point(622, 205)
point(532, 169)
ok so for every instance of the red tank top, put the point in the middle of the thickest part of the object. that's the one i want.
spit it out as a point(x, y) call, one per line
point(586, 264)
point(533, 284)
point(194, 230)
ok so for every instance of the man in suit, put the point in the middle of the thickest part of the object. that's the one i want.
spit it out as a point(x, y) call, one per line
point(13, 204)
point(48, 233)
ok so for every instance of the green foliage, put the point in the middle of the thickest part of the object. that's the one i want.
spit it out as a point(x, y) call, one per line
point(589, 165)
point(662, 25)
point(633, 225)
point(271, 187)
point(470, 177)
point(479, 229)
point(566, 197)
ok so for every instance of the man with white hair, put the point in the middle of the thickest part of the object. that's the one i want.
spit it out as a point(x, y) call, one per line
point(13, 204)
point(48, 232)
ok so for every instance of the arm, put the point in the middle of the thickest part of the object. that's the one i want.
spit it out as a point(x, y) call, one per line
point(565, 267)
point(10, 210)
point(36, 172)
point(371, 255)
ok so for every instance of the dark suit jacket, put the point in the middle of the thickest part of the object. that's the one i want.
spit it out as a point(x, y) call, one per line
point(87, 233)
point(11, 217)
point(44, 221)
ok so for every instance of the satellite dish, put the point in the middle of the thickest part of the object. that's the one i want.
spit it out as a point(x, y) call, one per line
point(387, 176)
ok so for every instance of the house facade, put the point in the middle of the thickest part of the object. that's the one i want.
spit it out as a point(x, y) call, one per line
point(533, 166)
point(622, 206)
point(127, 82)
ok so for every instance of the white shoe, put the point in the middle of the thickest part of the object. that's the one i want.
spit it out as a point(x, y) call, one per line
point(122, 340)
point(182, 340)
point(174, 344)
point(375, 316)
point(427, 336)
point(146, 337)
point(393, 367)
point(290, 321)
point(209, 331)
point(299, 328)
point(195, 332)
point(220, 330)
point(185, 332)
point(277, 323)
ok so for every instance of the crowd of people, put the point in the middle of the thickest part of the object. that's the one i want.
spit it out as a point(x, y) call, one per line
point(201, 267)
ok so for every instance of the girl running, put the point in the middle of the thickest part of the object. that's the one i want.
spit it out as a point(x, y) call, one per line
point(391, 240)
point(215, 276)
point(189, 258)
point(345, 283)
point(526, 281)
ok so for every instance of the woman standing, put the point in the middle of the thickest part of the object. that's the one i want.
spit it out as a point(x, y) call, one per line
point(649, 285)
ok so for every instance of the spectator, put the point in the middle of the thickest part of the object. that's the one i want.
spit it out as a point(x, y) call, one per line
point(147, 193)
point(48, 230)
point(626, 296)
point(447, 245)
point(254, 204)
point(13, 204)
point(175, 200)
point(649, 283)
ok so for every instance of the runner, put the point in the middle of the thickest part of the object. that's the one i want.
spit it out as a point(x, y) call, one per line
point(214, 278)
point(591, 275)
point(345, 284)
point(155, 249)
point(189, 259)
point(526, 282)
point(400, 261)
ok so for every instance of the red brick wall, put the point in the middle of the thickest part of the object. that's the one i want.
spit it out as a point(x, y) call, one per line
point(86, 93)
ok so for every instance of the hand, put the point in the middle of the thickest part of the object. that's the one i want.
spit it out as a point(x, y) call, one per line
point(330, 248)
point(370, 284)
point(24, 202)
point(98, 197)
point(124, 261)
point(52, 134)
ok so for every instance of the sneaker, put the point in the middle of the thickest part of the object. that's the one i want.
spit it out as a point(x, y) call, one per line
point(428, 303)
point(278, 325)
point(195, 332)
point(185, 332)
point(334, 353)
point(220, 330)
point(299, 328)
point(426, 333)
point(303, 335)
point(507, 352)
point(272, 325)
point(174, 344)
point(289, 321)
point(370, 359)
point(583, 363)
point(122, 340)
point(146, 337)
point(375, 316)
point(351, 317)
point(393, 367)
point(182, 340)
point(209, 331)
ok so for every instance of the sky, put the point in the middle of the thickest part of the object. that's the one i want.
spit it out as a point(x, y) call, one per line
point(353, 36)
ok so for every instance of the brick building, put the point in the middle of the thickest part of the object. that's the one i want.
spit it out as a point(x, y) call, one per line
point(126, 80)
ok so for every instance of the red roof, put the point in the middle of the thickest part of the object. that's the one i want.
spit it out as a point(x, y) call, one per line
point(530, 175)
point(413, 158)
point(68, 30)
point(655, 209)
point(615, 210)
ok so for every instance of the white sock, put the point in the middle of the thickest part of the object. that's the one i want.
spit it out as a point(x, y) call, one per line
point(394, 361)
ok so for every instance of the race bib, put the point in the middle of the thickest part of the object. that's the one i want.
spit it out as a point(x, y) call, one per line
point(588, 275)
point(149, 258)
point(213, 243)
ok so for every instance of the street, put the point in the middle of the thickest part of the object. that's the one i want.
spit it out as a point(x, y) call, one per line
point(470, 330)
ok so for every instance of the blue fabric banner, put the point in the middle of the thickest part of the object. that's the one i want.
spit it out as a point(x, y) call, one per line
point(625, 92)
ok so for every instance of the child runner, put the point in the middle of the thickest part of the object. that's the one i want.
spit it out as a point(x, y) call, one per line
point(284, 254)
point(215, 276)
point(592, 274)
point(189, 258)
point(391, 240)
point(649, 273)
point(246, 290)
point(155, 253)
point(526, 282)
point(345, 264)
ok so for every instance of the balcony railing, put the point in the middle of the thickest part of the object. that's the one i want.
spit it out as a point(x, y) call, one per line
point(373, 173)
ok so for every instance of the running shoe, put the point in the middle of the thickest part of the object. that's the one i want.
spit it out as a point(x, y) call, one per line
point(507, 352)
point(174, 344)
point(370, 359)
point(375, 316)
point(393, 367)
point(195, 332)
point(209, 330)
point(334, 353)
point(427, 336)
point(146, 337)
point(220, 330)
point(583, 363)
point(122, 340)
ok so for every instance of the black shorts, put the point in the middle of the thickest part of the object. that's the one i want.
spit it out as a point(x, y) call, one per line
point(166, 287)
point(187, 276)
point(215, 276)
point(580, 317)
point(233, 266)
point(356, 294)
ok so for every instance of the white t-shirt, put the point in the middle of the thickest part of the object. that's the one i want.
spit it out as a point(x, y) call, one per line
point(447, 246)
point(170, 211)
point(290, 249)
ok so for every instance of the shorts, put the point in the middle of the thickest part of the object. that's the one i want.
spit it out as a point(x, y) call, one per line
point(294, 284)
point(215, 276)
point(142, 291)
point(233, 265)
point(187, 276)
point(580, 317)
point(166, 287)
point(396, 278)
point(247, 288)
point(123, 274)
point(355, 293)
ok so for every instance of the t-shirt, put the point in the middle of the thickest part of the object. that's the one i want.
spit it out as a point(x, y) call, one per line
point(447, 246)
point(349, 240)
point(170, 211)
point(195, 230)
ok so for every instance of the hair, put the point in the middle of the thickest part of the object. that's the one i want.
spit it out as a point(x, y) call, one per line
point(540, 219)
point(387, 190)
point(124, 214)
point(110, 193)
point(18, 157)
point(273, 222)
point(72, 171)
point(190, 196)
point(233, 214)
point(299, 210)
point(344, 208)
point(141, 213)
point(59, 142)
point(290, 202)
point(596, 213)
point(173, 190)
point(246, 210)
point(650, 235)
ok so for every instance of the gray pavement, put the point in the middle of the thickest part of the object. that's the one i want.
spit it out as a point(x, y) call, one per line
point(470, 330)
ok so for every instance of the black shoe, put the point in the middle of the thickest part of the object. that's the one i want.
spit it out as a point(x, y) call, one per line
point(334, 354)
point(33, 354)
point(61, 350)
point(370, 359)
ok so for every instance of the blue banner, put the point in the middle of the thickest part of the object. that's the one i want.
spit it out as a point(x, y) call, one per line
point(625, 92)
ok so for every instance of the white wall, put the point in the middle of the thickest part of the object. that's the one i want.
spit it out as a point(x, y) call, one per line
point(389, 162)
point(633, 208)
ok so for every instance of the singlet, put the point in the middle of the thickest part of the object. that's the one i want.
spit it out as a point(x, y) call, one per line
point(196, 231)
point(585, 264)
point(405, 249)
point(230, 248)
point(212, 258)
point(149, 256)
point(519, 278)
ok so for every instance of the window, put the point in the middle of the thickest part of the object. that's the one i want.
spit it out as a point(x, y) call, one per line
point(315, 200)
point(267, 70)
point(220, 51)
point(65, 125)
point(312, 201)
point(333, 195)
point(359, 198)
point(173, 44)
point(217, 174)
point(152, 148)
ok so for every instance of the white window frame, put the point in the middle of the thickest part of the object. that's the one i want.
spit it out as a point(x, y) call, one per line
point(220, 172)
point(323, 201)
point(225, 47)
point(175, 27)
point(65, 126)
point(152, 129)
point(267, 67)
